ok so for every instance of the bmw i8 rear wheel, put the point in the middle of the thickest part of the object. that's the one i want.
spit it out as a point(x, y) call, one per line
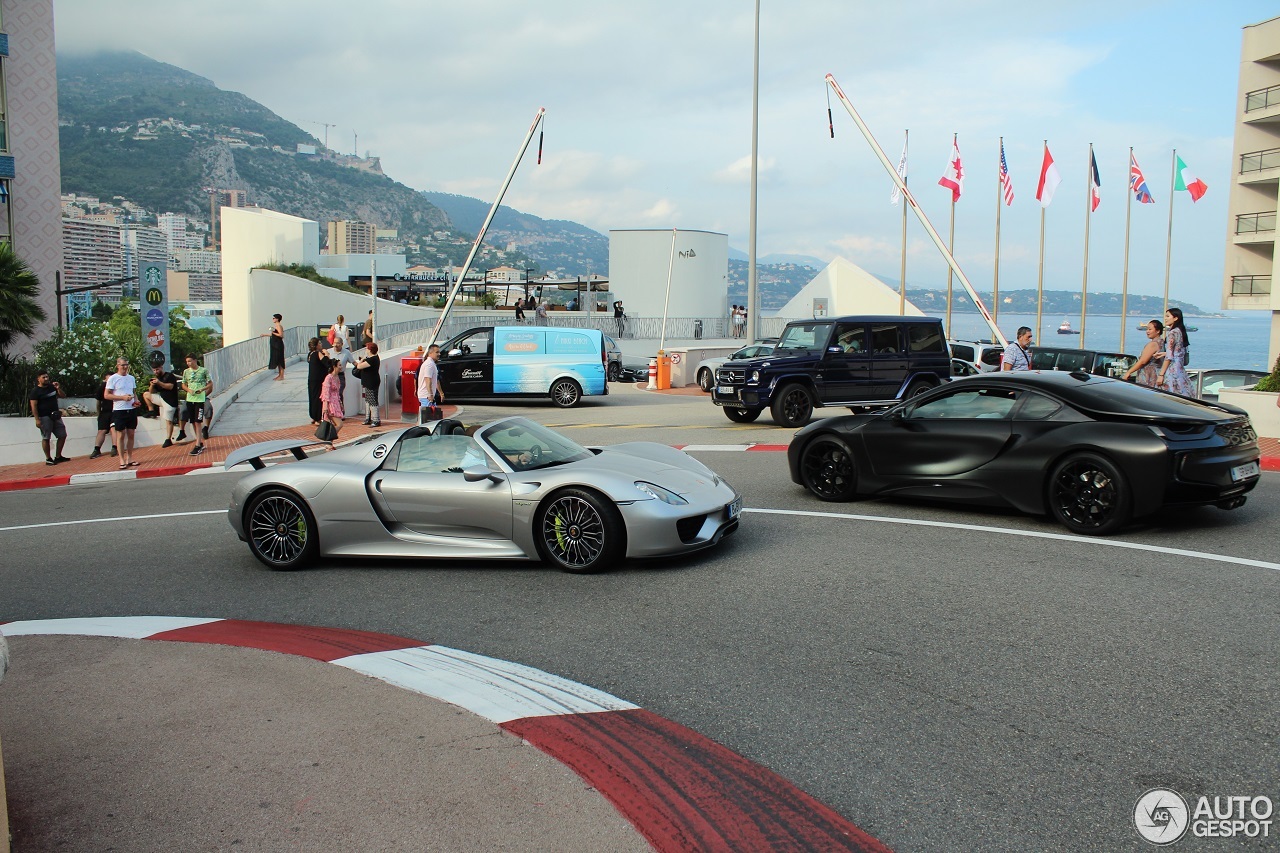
point(827, 469)
point(579, 531)
point(281, 529)
point(566, 393)
point(1089, 495)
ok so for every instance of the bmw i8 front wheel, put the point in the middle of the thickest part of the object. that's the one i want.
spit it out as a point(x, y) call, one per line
point(281, 530)
point(579, 531)
point(828, 471)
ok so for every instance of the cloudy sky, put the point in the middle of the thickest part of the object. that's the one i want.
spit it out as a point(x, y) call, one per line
point(649, 113)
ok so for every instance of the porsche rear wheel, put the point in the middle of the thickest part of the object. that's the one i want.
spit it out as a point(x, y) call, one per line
point(792, 406)
point(706, 379)
point(566, 393)
point(740, 416)
point(828, 471)
point(579, 531)
point(281, 529)
point(1089, 495)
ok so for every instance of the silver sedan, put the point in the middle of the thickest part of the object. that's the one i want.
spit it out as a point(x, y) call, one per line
point(510, 489)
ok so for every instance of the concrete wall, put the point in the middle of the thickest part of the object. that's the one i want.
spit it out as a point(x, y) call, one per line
point(639, 262)
point(305, 303)
point(252, 236)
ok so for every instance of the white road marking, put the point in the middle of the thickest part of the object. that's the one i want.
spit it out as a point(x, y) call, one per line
point(129, 627)
point(1034, 534)
point(117, 518)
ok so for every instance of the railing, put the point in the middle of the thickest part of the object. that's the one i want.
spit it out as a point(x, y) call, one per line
point(1260, 99)
point(1254, 223)
point(1250, 285)
point(1256, 161)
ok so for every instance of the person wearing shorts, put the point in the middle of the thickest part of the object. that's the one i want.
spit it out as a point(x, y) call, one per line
point(162, 393)
point(44, 408)
point(104, 420)
point(197, 384)
point(122, 392)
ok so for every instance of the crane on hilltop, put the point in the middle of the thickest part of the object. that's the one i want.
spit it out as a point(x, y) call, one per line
point(326, 125)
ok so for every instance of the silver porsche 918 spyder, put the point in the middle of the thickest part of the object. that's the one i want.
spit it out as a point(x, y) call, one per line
point(510, 489)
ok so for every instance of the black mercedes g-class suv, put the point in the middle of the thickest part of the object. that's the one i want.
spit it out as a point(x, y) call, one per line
point(859, 362)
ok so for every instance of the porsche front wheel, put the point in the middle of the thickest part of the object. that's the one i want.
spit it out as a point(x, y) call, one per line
point(281, 530)
point(579, 531)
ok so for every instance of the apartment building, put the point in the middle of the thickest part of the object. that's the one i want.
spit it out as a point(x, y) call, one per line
point(92, 254)
point(1255, 191)
point(348, 237)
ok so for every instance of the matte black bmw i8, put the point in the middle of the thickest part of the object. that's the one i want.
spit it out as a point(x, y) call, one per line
point(1092, 452)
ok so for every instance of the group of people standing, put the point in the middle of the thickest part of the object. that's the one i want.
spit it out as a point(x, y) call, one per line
point(1162, 363)
point(327, 381)
point(538, 307)
point(738, 321)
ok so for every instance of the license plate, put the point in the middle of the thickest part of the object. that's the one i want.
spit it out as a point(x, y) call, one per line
point(1245, 471)
point(735, 508)
point(725, 389)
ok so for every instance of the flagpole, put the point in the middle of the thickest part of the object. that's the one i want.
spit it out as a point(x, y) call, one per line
point(915, 206)
point(1088, 215)
point(995, 296)
point(1040, 274)
point(902, 275)
point(1124, 282)
point(951, 245)
point(1168, 246)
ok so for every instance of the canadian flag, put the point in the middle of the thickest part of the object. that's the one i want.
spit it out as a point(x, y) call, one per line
point(953, 177)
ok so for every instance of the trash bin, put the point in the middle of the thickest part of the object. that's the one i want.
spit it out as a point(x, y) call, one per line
point(697, 329)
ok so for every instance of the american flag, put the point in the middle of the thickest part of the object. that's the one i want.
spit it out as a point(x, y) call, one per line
point(1138, 183)
point(1005, 181)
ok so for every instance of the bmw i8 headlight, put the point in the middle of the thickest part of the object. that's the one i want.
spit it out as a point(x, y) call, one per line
point(665, 495)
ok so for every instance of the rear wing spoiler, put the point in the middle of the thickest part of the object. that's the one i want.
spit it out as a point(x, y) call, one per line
point(254, 453)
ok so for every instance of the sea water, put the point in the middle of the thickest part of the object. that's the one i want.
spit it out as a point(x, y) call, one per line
point(1238, 340)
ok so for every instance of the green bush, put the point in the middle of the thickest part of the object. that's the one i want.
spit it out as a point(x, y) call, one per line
point(17, 378)
point(1271, 382)
point(79, 356)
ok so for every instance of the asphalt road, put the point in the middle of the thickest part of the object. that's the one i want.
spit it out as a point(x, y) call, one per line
point(944, 687)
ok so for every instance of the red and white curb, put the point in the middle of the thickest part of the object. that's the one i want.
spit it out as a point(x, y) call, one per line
point(680, 790)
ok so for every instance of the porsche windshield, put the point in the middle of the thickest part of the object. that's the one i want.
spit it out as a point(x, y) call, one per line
point(803, 336)
point(527, 445)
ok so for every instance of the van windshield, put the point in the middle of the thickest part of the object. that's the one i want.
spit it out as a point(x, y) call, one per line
point(804, 337)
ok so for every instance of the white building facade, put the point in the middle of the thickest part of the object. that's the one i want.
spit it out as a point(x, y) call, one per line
point(640, 261)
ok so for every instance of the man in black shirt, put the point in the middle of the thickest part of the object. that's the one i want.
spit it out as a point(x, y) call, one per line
point(44, 408)
point(162, 394)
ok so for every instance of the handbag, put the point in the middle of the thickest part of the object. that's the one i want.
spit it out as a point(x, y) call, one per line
point(431, 412)
point(332, 336)
point(326, 431)
point(355, 372)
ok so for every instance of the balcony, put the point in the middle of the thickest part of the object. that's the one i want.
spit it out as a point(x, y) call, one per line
point(1250, 285)
point(1260, 167)
point(1256, 228)
point(1262, 105)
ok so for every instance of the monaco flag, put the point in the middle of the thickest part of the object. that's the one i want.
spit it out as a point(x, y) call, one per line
point(1184, 180)
point(1049, 179)
point(953, 177)
point(1095, 184)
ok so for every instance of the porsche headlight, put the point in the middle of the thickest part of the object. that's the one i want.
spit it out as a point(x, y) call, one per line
point(665, 495)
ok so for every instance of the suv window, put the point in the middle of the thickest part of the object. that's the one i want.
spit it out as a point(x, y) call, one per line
point(852, 340)
point(923, 337)
point(885, 339)
point(804, 336)
point(957, 350)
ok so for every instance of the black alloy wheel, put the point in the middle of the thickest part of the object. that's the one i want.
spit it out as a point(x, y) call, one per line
point(916, 389)
point(1089, 495)
point(281, 529)
point(615, 371)
point(827, 469)
point(706, 379)
point(792, 406)
point(579, 532)
point(566, 393)
point(741, 416)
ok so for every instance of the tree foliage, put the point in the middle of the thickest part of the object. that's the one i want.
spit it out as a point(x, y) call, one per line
point(20, 312)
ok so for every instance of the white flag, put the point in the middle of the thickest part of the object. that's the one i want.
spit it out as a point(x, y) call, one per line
point(902, 173)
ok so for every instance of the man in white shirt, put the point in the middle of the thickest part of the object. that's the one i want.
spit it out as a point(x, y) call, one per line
point(122, 391)
point(429, 390)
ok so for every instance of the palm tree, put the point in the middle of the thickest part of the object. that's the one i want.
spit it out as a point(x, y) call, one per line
point(19, 289)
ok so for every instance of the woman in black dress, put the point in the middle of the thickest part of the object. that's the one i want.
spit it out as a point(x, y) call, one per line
point(315, 378)
point(276, 362)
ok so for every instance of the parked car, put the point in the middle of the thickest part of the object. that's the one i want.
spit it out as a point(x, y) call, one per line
point(843, 361)
point(1207, 382)
point(614, 354)
point(511, 489)
point(1090, 451)
point(706, 369)
point(984, 356)
point(524, 361)
point(1112, 364)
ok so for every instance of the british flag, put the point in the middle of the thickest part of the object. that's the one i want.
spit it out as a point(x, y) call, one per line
point(1006, 182)
point(1137, 183)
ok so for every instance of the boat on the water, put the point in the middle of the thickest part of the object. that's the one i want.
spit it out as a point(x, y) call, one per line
point(1065, 328)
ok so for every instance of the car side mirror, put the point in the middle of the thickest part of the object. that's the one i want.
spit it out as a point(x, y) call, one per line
point(454, 353)
point(478, 473)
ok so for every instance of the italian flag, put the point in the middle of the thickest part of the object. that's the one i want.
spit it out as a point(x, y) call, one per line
point(1184, 180)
